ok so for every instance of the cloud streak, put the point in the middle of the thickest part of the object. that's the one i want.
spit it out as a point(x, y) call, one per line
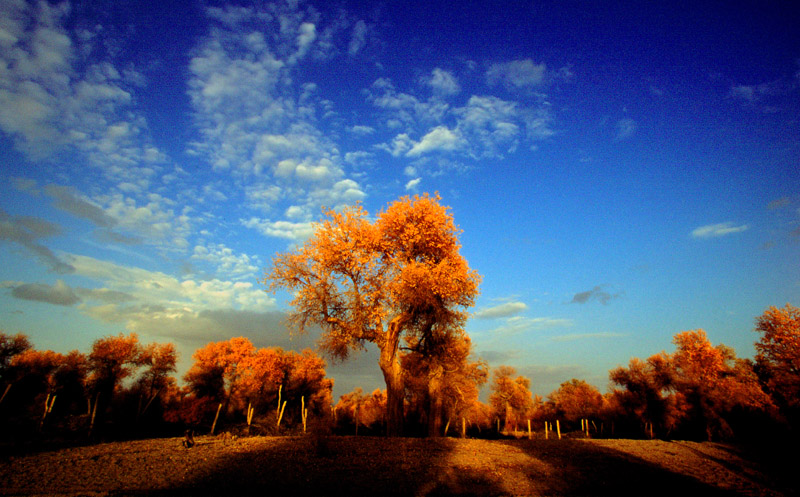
point(501, 311)
point(58, 294)
point(27, 231)
point(718, 230)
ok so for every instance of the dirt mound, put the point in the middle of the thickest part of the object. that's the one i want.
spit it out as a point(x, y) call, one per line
point(380, 466)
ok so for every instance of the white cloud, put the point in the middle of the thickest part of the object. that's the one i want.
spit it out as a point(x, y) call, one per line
point(225, 262)
point(361, 130)
point(260, 125)
point(717, 230)
point(153, 288)
point(154, 219)
point(486, 126)
point(306, 35)
point(401, 144)
point(358, 39)
point(413, 184)
point(520, 324)
point(501, 311)
point(52, 97)
point(405, 108)
point(491, 125)
point(516, 74)
point(442, 82)
point(439, 138)
point(297, 232)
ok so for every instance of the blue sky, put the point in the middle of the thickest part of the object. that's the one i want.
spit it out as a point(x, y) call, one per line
point(620, 173)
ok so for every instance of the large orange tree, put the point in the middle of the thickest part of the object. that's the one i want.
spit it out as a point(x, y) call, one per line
point(363, 281)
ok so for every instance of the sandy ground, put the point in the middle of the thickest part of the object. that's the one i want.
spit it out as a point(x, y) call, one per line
point(381, 466)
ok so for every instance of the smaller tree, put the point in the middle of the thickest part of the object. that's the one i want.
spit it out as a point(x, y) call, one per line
point(778, 357)
point(111, 360)
point(10, 346)
point(511, 398)
point(647, 395)
point(218, 367)
point(575, 400)
point(159, 361)
point(356, 409)
point(710, 383)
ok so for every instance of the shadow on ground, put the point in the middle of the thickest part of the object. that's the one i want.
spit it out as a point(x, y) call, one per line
point(379, 466)
point(580, 468)
point(330, 466)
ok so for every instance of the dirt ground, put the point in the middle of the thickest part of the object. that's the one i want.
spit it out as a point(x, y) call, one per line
point(383, 466)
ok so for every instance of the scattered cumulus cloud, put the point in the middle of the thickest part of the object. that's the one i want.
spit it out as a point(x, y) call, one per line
point(225, 261)
point(53, 97)
point(486, 126)
point(439, 138)
point(358, 39)
point(717, 230)
point(296, 232)
point(361, 130)
point(413, 184)
point(516, 74)
point(254, 125)
point(442, 82)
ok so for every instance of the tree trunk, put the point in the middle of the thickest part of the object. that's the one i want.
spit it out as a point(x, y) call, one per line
point(393, 375)
point(435, 403)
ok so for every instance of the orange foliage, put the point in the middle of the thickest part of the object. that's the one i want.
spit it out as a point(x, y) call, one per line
point(216, 369)
point(111, 360)
point(357, 409)
point(576, 399)
point(511, 397)
point(647, 394)
point(697, 390)
point(236, 373)
point(778, 357)
point(374, 282)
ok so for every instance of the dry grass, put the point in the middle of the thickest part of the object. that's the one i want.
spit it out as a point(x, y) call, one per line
point(381, 466)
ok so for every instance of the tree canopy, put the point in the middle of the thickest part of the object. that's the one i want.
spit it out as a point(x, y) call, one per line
point(363, 281)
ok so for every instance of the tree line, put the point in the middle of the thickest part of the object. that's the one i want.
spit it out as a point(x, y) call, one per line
point(122, 388)
point(698, 392)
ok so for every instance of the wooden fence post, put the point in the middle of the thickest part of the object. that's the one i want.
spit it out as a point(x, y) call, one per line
point(214, 424)
point(94, 413)
point(303, 411)
point(280, 416)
